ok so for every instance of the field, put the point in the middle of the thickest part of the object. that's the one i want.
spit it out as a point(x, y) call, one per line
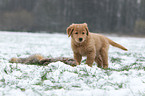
point(124, 77)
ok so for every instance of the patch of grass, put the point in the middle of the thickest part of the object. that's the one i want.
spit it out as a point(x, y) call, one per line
point(43, 77)
point(22, 89)
point(18, 55)
point(108, 72)
point(23, 76)
point(54, 87)
point(49, 56)
point(76, 71)
point(36, 91)
point(116, 60)
point(5, 70)
point(39, 83)
point(84, 72)
point(123, 54)
point(141, 93)
point(120, 85)
point(83, 61)
point(76, 86)
point(125, 68)
point(57, 87)
point(116, 85)
point(136, 65)
point(2, 80)
point(27, 53)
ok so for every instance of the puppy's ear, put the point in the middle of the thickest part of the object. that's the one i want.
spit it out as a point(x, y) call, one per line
point(87, 30)
point(85, 24)
point(69, 30)
point(86, 27)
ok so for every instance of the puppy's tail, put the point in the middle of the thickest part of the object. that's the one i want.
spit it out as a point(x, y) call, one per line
point(116, 45)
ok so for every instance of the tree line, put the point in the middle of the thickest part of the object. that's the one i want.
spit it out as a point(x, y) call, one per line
point(108, 16)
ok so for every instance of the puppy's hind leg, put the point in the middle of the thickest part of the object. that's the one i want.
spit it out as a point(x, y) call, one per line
point(98, 60)
point(104, 55)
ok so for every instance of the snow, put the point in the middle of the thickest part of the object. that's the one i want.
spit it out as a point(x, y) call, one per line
point(125, 76)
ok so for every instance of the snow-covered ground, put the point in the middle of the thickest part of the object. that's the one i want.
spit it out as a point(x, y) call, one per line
point(125, 76)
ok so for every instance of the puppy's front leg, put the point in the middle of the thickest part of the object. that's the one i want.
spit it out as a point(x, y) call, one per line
point(78, 58)
point(90, 59)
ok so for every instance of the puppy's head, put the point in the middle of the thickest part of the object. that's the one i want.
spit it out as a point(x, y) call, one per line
point(78, 32)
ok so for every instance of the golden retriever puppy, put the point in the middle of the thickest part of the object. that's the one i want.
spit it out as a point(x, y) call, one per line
point(94, 46)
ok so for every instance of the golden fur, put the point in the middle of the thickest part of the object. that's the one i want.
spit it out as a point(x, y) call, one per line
point(94, 46)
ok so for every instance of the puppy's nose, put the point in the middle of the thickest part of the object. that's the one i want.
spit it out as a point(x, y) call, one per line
point(80, 39)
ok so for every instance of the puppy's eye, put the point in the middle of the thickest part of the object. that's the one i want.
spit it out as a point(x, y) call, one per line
point(83, 33)
point(76, 33)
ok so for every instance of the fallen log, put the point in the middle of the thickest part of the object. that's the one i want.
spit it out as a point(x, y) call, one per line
point(38, 59)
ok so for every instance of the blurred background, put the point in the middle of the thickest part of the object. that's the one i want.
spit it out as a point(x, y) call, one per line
point(125, 17)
